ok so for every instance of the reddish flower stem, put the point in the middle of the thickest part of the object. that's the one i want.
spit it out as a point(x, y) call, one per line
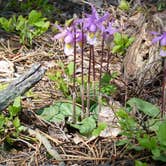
point(94, 73)
point(164, 90)
point(108, 59)
point(101, 63)
point(100, 72)
point(74, 80)
point(82, 71)
point(88, 84)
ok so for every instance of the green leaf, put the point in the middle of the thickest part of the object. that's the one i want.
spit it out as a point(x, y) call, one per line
point(162, 157)
point(153, 124)
point(121, 113)
point(139, 163)
point(106, 79)
point(122, 142)
point(58, 111)
point(70, 68)
point(34, 17)
point(148, 142)
point(16, 107)
point(2, 121)
point(86, 126)
point(124, 5)
point(144, 106)
point(117, 48)
point(16, 122)
point(99, 129)
point(118, 38)
point(129, 42)
point(21, 23)
point(161, 134)
point(156, 152)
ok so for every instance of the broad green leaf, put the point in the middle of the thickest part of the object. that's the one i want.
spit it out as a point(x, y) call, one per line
point(99, 129)
point(122, 142)
point(162, 133)
point(144, 106)
point(86, 126)
point(153, 124)
point(34, 17)
point(156, 152)
point(139, 163)
point(21, 23)
point(148, 142)
point(162, 157)
point(58, 111)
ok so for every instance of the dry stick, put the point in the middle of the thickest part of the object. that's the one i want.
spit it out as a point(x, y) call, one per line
point(88, 85)
point(82, 71)
point(164, 89)
point(74, 78)
point(94, 73)
point(101, 66)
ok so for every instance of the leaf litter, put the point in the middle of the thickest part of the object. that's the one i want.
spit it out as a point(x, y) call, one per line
point(71, 147)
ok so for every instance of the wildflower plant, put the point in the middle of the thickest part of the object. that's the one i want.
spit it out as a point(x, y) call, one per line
point(90, 29)
point(161, 38)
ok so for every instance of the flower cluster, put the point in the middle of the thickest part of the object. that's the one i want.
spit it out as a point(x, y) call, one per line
point(93, 27)
point(162, 39)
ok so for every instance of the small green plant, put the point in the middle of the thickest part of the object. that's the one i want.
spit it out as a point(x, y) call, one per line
point(27, 28)
point(106, 87)
point(121, 43)
point(146, 132)
point(161, 5)
point(8, 24)
point(124, 5)
point(26, 6)
point(63, 78)
point(10, 125)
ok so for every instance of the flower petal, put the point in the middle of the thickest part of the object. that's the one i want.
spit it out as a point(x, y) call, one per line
point(156, 39)
point(154, 33)
point(59, 36)
point(68, 49)
point(162, 53)
point(163, 40)
point(91, 38)
point(69, 38)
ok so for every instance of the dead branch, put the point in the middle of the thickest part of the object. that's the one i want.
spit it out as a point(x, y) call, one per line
point(21, 85)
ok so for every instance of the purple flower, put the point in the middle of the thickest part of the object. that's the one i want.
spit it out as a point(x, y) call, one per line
point(110, 30)
point(162, 39)
point(67, 36)
point(93, 25)
point(108, 34)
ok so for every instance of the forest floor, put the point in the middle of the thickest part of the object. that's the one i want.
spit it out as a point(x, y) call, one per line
point(42, 138)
